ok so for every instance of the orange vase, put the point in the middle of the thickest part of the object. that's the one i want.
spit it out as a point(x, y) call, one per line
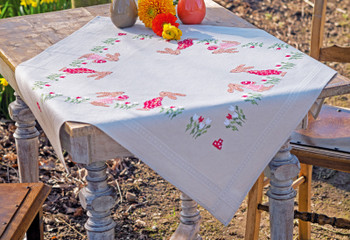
point(191, 11)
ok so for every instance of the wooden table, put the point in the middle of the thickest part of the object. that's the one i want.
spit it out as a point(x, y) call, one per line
point(24, 37)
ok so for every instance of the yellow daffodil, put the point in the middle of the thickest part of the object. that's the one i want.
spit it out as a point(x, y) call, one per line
point(171, 32)
point(3, 82)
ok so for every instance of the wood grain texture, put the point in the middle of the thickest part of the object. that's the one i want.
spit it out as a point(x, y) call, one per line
point(335, 54)
point(253, 213)
point(304, 198)
point(318, 20)
point(27, 211)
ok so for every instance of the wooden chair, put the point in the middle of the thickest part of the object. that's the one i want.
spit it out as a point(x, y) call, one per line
point(325, 142)
point(20, 210)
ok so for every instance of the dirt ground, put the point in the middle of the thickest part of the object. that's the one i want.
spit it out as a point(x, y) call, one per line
point(147, 205)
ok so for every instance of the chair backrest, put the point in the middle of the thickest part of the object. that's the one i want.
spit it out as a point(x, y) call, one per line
point(334, 53)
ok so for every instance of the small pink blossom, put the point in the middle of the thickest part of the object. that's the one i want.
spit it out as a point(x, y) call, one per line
point(207, 43)
point(185, 44)
point(51, 93)
point(123, 97)
point(278, 65)
point(121, 34)
point(244, 96)
point(117, 40)
point(264, 80)
point(172, 106)
point(200, 119)
point(288, 55)
point(252, 46)
point(47, 85)
point(100, 61)
point(127, 103)
point(247, 82)
point(62, 76)
point(78, 97)
point(105, 49)
point(278, 48)
point(84, 63)
point(142, 38)
point(212, 48)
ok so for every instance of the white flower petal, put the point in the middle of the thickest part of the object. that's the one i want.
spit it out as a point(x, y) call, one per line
point(195, 117)
point(227, 122)
point(201, 125)
point(208, 121)
point(231, 108)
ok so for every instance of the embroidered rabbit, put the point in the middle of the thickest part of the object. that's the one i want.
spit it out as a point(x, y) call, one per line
point(157, 102)
point(242, 68)
point(248, 84)
point(109, 98)
point(100, 59)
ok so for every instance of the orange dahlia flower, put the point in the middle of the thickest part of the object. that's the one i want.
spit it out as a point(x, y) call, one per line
point(149, 9)
point(160, 20)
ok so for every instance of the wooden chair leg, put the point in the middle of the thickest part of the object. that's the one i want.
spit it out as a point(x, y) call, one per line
point(305, 201)
point(36, 229)
point(253, 214)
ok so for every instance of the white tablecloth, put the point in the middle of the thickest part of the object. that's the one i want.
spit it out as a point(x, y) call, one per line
point(207, 113)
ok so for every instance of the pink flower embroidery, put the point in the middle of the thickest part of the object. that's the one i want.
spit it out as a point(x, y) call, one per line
point(207, 43)
point(121, 34)
point(100, 61)
point(184, 44)
point(252, 47)
point(117, 40)
point(287, 55)
point(244, 96)
point(62, 76)
point(212, 48)
point(278, 65)
point(127, 103)
point(105, 49)
point(278, 48)
point(84, 63)
point(123, 97)
point(142, 38)
point(51, 93)
point(200, 119)
point(172, 106)
point(78, 97)
point(47, 85)
point(229, 116)
point(264, 80)
point(247, 82)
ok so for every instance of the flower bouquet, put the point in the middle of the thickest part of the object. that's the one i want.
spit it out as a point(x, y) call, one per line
point(160, 16)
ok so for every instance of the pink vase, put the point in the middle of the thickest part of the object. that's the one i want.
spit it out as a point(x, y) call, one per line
point(191, 11)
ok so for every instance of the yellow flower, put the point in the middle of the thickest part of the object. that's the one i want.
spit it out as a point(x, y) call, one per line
point(149, 9)
point(34, 3)
point(47, 1)
point(3, 82)
point(171, 32)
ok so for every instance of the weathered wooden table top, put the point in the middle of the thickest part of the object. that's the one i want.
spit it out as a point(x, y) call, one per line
point(24, 37)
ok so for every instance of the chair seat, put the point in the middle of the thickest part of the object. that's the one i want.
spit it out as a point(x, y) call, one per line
point(326, 141)
point(20, 203)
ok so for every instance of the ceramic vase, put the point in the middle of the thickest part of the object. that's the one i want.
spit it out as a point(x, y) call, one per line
point(123, 13)
point(191, 11)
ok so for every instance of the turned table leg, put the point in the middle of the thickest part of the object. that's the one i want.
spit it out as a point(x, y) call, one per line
point(27, 143)
point(98, 198)
point(281, 171)
point(189, 220)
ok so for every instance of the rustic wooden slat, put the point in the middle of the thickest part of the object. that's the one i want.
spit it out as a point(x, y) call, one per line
point(253, 214)
point(318, 19)
point(27, 211)
point(305, 200)
point(335, 54)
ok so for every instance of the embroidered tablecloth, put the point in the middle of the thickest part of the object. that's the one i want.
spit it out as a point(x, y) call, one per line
point(207, 113)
